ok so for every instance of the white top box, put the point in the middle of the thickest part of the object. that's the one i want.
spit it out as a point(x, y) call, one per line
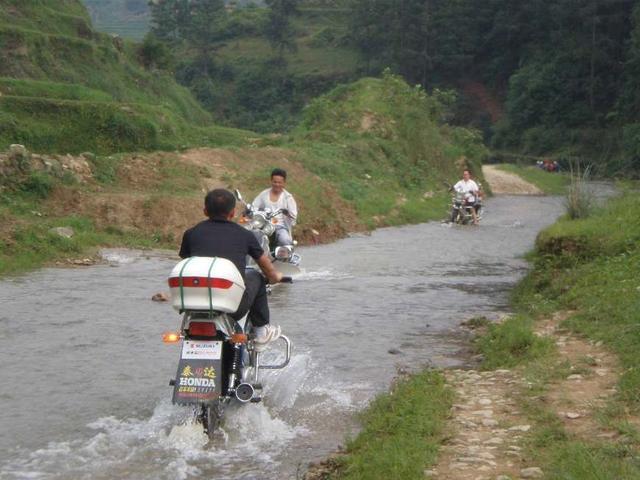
point(206, 284)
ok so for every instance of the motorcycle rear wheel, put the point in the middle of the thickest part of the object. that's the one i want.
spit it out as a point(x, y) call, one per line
point(210, 416)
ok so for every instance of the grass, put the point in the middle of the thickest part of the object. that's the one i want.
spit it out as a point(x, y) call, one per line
point(381, 143)
point(589, 266)
point(592, 266)
point(549, 183)
point(33, 244)
point(72, 126)
point(68, 89)
point(512, 343)
point(402, 432)
point(64, 91)
point(389, 173)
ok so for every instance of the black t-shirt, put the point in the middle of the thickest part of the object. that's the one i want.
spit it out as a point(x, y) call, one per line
point(221, 238)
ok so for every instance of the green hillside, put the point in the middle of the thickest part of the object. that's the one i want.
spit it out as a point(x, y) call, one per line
point(385, 146)
point(368, 154)
point(66, 88)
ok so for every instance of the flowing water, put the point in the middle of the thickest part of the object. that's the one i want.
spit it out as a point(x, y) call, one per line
point(84, 374)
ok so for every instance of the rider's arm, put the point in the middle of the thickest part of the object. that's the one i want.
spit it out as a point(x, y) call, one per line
point(293, 210)
point(260, 201)
point(185, 248)
point(273, 275)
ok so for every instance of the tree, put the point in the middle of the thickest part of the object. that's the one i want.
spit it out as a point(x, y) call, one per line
point(370, 27)
point(279, 30)
point(206, 29)
point(164, 24)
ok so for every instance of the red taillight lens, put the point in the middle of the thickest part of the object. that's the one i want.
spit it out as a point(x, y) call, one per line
point(192, 282)
point(202, 329)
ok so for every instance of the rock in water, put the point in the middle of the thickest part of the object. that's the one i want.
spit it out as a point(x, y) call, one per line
point(160, 297)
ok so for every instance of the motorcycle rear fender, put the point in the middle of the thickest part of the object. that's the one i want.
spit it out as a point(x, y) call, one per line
point(200, 374)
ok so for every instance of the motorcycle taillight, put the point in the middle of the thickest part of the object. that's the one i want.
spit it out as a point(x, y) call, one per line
point(192, 282)
point(202, 329)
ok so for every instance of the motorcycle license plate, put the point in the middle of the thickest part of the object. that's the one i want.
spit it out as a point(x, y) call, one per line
point(201, 350)
point(198, 378)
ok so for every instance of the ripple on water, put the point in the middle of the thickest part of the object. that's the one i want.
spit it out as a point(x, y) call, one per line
point(357, 299)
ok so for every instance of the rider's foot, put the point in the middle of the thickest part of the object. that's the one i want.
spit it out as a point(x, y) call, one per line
point(264, 335)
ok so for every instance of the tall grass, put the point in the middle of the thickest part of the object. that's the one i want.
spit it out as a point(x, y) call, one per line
point(579, 200)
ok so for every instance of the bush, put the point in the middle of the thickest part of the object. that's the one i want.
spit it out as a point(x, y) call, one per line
point(155, 54)
point(37, 184)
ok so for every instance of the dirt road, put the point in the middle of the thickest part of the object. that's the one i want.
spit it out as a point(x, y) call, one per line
point(505, 183)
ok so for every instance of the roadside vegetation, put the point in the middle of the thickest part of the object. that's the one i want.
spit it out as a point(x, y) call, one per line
point(591, 266)
point(588, 268)
point(586, 272)
point(369, 154)
point(402, 431)
point(386, 148)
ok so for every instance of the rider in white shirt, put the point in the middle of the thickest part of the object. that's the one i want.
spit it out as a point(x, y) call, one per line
point(276, 198)
point(471, 191)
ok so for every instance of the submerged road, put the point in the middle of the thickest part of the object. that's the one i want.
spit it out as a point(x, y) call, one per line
point(84, 373)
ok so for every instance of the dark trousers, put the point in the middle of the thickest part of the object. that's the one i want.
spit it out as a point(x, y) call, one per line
point(254, 300)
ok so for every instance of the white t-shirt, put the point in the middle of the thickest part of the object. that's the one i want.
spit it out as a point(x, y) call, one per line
point(285, 200)
point(468, 186)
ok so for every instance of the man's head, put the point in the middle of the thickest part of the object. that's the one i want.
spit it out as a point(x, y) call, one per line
point(466, 174)
point(219, 204)
point(278, 180)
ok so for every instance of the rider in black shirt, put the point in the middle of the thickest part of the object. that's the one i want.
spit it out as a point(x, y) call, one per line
point(220, 237)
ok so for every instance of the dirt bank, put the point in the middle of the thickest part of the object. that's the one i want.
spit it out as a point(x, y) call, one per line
point(504, 183)
point(161, 193)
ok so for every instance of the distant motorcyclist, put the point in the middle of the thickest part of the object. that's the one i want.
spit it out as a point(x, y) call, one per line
point(275, 198)
point(471, 192)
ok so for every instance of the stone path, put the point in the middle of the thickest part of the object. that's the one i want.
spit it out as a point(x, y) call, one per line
point(487, 428)
point(591, 382)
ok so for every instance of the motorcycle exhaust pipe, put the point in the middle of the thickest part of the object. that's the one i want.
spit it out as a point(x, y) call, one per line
point(245, 392)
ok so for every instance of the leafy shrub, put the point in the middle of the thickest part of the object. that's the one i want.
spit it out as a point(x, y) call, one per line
point(155, 54)
point(38, 184)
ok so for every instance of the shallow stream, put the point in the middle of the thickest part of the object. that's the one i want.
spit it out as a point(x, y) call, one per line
point(85, 375)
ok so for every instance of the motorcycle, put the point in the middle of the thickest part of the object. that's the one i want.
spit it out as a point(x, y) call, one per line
point(261, 223)
point(219, 362)
point(463, 205)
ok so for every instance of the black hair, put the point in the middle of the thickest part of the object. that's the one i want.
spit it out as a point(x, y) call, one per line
point(219, 203)
point(279, 172)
